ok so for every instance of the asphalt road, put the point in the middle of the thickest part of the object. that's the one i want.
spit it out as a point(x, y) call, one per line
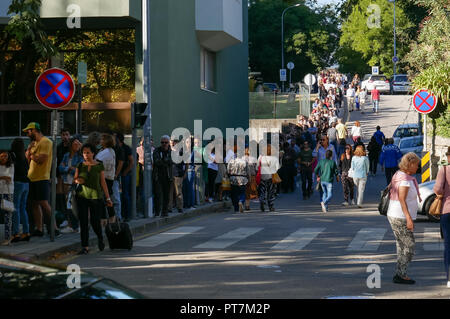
point(295, 252)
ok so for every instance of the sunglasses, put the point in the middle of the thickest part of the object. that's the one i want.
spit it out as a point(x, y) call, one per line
point(164, 142)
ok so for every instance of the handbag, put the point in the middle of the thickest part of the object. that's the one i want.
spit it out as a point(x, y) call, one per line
point(258, 175)
point(276, 178)
point(351, 172)
point(436, 206)
point(226, 184)
point(7, 205)
point(383, 206)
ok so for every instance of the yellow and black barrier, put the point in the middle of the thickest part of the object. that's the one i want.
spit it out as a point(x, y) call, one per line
point(426, 167)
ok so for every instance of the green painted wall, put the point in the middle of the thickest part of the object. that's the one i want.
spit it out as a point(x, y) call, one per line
point(177, 99)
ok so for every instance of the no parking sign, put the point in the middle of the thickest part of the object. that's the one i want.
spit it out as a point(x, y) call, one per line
point(54, 88)
point(424, 101)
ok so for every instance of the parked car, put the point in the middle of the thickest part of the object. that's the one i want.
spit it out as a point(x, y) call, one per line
point(428, 196)
point(378, 81)
point(411, 144)
point(400, 84)
point(406, 130)
point(271, 87)
point(24, 280)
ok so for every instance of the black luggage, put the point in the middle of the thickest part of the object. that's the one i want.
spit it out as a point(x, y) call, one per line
point(119, 235)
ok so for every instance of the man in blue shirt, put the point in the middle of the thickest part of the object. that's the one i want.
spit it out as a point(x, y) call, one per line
point(379, 136)
point(389, 158)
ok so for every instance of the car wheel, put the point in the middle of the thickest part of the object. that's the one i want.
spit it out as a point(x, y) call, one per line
point(426, 209)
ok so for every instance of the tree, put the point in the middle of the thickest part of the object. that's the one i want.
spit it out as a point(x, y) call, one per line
point(429, 60)
point(310, 37)
point(374, 41)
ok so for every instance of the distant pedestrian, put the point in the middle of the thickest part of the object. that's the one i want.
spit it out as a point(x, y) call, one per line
point(362, 100)
point(360, 167)
point(374, 154)
point(348, 185)
point(375, 99)
point(351, 97)
point(379, 136)
point(402, 212)
point(305, 160)
point(333, 136)
point(162, 176)
point(389, 158)
point(269, 165)
point(342, 134)
point(126, 177)
point(90, 177)
point(7, 192)
point(442, 188)
point(326, 171)
point(40, 155)
point(239, 172)
point(21, 190)
point(356, 132)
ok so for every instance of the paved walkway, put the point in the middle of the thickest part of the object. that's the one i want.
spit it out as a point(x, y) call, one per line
point(68, 244)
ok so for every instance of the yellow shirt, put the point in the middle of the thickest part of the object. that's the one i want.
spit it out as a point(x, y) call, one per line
point(341, 131)
point(41, 172)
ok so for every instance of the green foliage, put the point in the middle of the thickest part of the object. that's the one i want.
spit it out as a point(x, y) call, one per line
point(310, 37)
point(375, 43)
point(26, 25)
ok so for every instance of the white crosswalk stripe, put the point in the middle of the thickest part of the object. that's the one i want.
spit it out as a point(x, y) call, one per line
point(162, 238)
point(432, 240)
point(299, 239)
point(230, 238)
point(367, 239)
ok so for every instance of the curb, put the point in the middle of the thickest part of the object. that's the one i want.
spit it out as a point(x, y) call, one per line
point(137, 227)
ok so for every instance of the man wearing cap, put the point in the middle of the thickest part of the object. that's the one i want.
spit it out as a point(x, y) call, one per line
point(39, 155)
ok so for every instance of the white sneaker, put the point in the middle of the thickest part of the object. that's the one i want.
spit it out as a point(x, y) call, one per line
point(345, 204)
point(324, 209)
point(67, 230)
point(64, 224)
point(353, 202)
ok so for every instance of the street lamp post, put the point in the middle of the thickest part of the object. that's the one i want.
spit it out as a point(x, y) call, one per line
point(395, 44)
point(282, 39)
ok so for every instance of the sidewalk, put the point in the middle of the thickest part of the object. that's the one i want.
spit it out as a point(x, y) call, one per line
point(68, 244)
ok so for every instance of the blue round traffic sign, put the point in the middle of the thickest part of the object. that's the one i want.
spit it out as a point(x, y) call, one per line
point(54, 88)
point(424, 101)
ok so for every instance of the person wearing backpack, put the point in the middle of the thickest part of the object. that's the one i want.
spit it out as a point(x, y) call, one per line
point(442, 188)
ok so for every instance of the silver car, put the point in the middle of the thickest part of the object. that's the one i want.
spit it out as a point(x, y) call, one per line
point(400, 83)
point(411, 144)
point(428, 196)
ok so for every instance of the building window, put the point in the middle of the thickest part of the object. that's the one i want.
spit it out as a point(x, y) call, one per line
point(208, 70)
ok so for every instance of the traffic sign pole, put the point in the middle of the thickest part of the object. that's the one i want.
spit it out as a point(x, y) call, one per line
point(53, 183)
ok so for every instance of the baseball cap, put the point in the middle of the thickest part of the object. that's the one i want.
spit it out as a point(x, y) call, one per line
point(32, 125)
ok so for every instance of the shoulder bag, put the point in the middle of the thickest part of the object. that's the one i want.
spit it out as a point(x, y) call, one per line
point(436, 206)
point(7, 205)
point(383, 206)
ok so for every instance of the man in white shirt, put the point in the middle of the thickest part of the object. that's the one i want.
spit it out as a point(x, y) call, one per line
point(350, 97)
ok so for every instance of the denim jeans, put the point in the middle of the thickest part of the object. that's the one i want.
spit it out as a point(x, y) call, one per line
point(237, 196)
point(115, 197)
point(126, 196)
point(375, 104)
point(20, 203)
point(189, 189)
point(445, 226)
point(327, 189)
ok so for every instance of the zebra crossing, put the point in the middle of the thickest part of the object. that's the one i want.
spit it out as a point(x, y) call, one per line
point(365, 239)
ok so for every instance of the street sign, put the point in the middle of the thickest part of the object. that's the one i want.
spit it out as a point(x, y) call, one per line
point(82, 72)
point(290, 66)
point(424, 101)
point(395, 59)
point(309, 79)
point(283, 75)
point(54, 88)
point(375, 70)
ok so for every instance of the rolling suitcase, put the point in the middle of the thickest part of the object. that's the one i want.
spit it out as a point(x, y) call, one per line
point(119, 235)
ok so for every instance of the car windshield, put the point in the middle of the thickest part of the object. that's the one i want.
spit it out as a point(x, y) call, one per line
point(367, 76)
point(401, 78)
point(378, 78)
point(406, 132)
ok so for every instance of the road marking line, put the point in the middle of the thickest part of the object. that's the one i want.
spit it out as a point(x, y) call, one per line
point(299, 239)
point(367, 239)
point(230, 238)
point(432, 240)
point(162, 238)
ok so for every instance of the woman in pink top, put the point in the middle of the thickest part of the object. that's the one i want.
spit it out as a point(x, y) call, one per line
point(442, 188)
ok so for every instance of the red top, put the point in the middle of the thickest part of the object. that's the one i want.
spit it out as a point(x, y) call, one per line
point(375, 94)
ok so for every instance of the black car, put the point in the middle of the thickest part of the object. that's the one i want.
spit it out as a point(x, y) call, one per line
point(24, 280)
